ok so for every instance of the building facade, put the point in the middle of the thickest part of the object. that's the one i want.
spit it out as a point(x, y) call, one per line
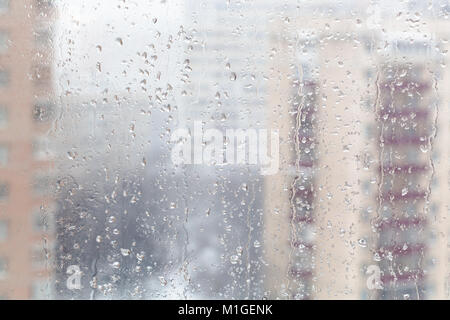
point(359, 205)
point(25, 109)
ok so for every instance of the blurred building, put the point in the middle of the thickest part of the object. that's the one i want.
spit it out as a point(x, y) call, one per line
point(25, 160)
point(364, 176)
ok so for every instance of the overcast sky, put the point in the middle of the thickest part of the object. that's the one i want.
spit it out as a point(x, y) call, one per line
point(95, 41)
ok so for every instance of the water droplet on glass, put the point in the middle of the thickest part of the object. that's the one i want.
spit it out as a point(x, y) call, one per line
point(125, 252)
point(234, 259)
point(404, 192)
point(163, 281)
point(362, 242)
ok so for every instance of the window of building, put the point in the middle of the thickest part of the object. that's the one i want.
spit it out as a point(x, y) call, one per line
point(42, 289)
point(3, 41)
point(43, 38)
point(4, 191)
point(3, 230)
point(44, 4)
point(42, 149)
point(4, 154)
point(43, 112)
point(4, 78)
point(42, 184)
point(3, 268)
point(40, 257)
point(41, 74)
point(3, 117)
point(44, 219)
point(4, 6)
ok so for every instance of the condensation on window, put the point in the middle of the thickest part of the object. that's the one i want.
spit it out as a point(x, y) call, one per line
point(217, 149)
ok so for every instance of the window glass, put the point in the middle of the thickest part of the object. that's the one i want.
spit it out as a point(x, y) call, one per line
point(4, 155)
point(4, 191)
point(3, 268)
point(3, 117)
point(3, 230)
point(4, 78)
point(4, 5)
point(3, 41)
point(212, 149)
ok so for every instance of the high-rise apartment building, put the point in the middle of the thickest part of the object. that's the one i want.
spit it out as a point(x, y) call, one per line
point(25, 110)
point(358, 209)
